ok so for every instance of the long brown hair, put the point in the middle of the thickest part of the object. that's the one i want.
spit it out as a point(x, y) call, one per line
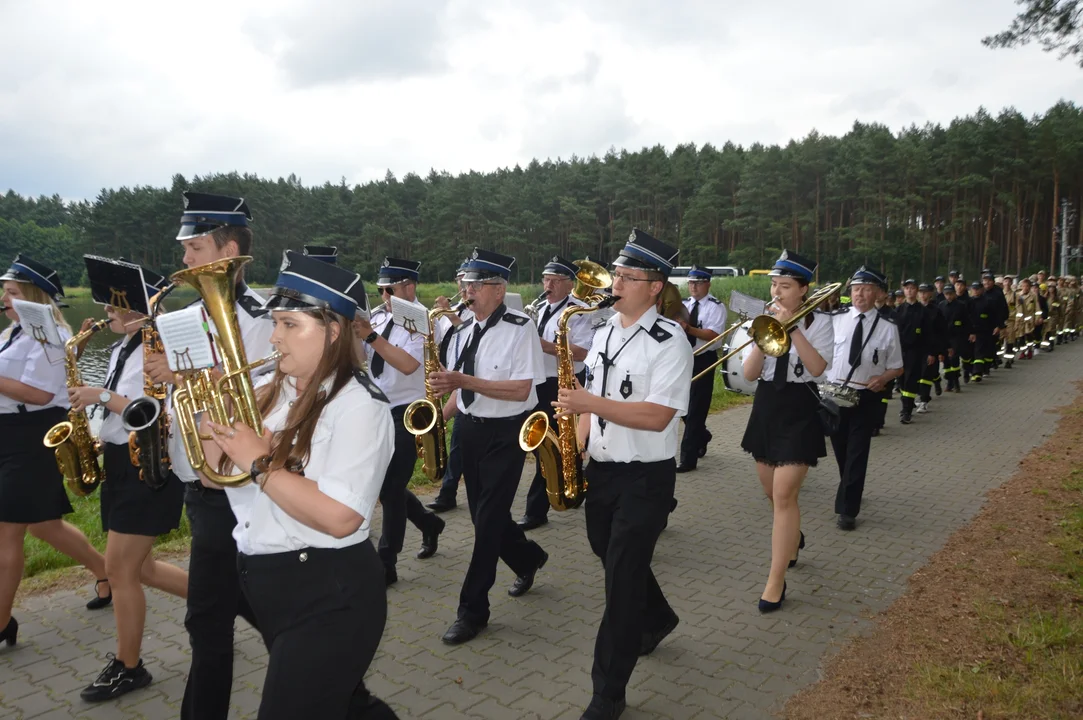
point(291, 445)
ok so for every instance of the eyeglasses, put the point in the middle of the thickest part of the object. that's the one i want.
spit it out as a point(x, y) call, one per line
point(622, 277)
point(475, 284)
point(388, 290)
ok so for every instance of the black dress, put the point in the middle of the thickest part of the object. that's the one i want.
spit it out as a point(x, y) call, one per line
point(31, 486)
point(784, 428)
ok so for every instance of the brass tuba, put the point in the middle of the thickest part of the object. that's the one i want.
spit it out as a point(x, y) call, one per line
point(76, 449)
point(145, 418)
point(216, 284)
point(558, 452)
point(424, 418)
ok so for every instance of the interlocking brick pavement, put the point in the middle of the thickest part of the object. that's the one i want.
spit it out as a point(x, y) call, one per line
point(723, 660)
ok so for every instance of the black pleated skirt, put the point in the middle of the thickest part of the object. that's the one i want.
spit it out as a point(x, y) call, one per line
point(784, 428)
point(129, 506)
point(31, 486)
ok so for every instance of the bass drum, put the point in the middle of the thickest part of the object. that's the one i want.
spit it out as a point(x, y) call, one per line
point(732, 374)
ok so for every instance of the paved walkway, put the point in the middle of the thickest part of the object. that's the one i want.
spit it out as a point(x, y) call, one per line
point(724, 660)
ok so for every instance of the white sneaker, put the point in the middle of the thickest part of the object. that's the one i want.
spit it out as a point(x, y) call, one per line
point(923, 407)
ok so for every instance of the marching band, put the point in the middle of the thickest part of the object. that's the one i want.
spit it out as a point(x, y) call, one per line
point(316, 408)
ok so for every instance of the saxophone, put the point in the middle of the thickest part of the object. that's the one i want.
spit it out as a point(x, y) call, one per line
point(76, 449)
point(558, 452)
point(424, 418)
point(145, 418)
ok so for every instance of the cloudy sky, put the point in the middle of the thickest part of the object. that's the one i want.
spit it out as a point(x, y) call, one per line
point(111, 93)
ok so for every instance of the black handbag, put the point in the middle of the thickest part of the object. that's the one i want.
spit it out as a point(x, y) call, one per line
point(828, 410)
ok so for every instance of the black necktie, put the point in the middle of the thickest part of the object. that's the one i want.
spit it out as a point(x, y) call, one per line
point(122, 357)
point(857, 341)
point(11, 338)
point(466, 360)
point(782, 364)
point(377, 365)
point(693, 321)
point(550, 311)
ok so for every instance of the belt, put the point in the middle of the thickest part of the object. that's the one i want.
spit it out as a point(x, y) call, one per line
point(487, 420)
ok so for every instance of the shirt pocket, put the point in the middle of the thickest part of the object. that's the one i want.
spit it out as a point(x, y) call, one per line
point(628, 381)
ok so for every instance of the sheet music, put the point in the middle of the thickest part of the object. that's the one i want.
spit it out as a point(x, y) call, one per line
point(38, 321)
point(750, 306)
point(186, 337)
point(514, 301)
point(410, 316)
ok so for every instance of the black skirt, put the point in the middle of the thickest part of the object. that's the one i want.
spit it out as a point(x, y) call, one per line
point(129, 506)
point(31, 486)
point(784, 428)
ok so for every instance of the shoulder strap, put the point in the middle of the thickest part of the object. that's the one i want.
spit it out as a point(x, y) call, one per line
point(366, 382)
point(868, 337)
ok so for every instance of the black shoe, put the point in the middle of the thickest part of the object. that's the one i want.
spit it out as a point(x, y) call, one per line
point(905, 418)
point(682, 468)
point(845, 522)
point(876, 432)
point(532, 523)
point(800, 547)
point(440, 505)
point(97, 603)
point(651, 640)
point(938, 389)
point(958, 389)
point(430, 540)
point(601, 708)
point(11, 632)
point(116, 680)
point(767, 606)
point(703, 450)
point(525, 582)
point(391, 575)
point(462, 630)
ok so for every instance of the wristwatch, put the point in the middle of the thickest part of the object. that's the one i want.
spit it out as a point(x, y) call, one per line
point(105, 397)
point(260, 467)
point(371, 337)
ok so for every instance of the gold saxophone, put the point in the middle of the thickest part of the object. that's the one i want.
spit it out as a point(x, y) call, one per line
point(424, 418)
point(558, 452)
point(145, 418)
point(76, 449)
point(216, 283)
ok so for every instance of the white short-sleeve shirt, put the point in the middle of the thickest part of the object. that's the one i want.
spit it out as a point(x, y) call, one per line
point(712, 315)
point(129, 385)
point(580, 332)
point(509, 350)
point(882, 352)
point(821, 335)
point(34, 364)
point(351, 449)
point(652, 362)
point(400, 389)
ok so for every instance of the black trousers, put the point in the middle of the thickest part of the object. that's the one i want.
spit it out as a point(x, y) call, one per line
point(449, 488)
point(322, 613)
point(537, 500)
point(851, 445)
point(985, 351)
point(929, 374)
point(492, 465)
point(398, 502)
point(627, 508)
point(885, 400)
point(699, 404)
point(913, 367)
point(214, 602)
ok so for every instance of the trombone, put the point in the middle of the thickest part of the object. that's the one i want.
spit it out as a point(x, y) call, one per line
point(770, 335)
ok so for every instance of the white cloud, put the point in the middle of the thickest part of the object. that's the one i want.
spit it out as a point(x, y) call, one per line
point(122, 93)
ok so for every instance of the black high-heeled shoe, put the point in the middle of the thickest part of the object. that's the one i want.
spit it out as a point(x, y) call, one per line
point(10, 632)
point(767, 606)
point(800, 547)
point(97, 603)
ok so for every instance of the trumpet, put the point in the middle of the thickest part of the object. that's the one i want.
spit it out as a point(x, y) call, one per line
point(709, 345)
point(535, 307)
point(770, 335)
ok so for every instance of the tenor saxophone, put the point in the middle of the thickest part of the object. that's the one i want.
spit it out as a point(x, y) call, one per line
point(76, 449)
point(558, 452)
point(424, 418)
point(145, 418)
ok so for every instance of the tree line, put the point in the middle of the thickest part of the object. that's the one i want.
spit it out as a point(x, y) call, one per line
point(982, 191)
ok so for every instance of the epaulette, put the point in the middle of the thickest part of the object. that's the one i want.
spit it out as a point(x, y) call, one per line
point(659, 332)
point(251, 305)
point(889, 318)
point(713, 299)
point(836, 311)
point(366, 382)
point(515, 319)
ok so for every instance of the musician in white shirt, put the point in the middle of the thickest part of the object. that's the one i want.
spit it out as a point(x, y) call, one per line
point(307, 567)
point(867, 353)
point(33, 399)
point(784, 434)
point(706, 320)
